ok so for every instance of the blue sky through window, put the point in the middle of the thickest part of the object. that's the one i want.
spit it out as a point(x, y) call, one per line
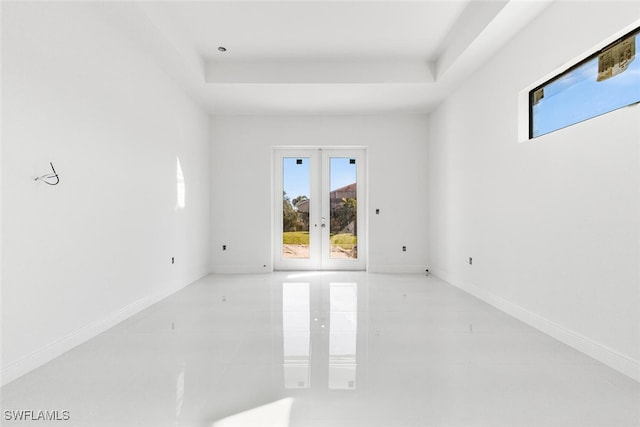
point(296, 178)
point(578, 96)
point(342, 172)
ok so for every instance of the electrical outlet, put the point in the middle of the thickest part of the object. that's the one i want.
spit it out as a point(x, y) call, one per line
point(377, 211)
point(404, 249)
point(470, 261)
point(224, 247)
point(173, 260)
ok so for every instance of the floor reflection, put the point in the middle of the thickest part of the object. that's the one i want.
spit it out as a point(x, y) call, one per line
point(340, 353)
point(343, 334)
point(296, 328)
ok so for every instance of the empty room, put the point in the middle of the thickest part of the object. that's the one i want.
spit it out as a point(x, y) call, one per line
point(320, 213)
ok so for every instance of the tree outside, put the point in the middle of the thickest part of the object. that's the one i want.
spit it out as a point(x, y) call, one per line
point(343, 216)
point(290, 216)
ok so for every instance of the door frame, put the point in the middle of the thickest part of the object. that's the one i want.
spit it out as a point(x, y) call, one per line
point(318, 158)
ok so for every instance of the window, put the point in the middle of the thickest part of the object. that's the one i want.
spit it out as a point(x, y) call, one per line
point(605, 81)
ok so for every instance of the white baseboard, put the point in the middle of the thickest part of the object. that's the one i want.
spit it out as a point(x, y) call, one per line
point(52, 350)
point(598, 351)
point(397, 269)
point(241, 269)
point(251, 269)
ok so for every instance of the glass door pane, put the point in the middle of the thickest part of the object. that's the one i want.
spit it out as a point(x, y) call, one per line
point(343, 208)
point(296, 184)
point(319, 199)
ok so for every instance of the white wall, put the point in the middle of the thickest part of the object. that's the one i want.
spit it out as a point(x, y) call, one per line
point(242, 191)
point(553, 225)
point(80, 256)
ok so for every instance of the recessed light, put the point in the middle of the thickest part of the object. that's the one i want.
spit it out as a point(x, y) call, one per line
point(222, 48)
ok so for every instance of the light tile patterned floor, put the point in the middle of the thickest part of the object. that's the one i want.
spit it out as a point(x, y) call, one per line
point(325, 350)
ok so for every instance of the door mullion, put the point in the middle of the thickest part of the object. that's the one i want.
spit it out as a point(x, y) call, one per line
point(315, 226)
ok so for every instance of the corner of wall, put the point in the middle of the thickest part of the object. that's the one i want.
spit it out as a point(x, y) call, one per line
point(598, 351)
point(54, 349)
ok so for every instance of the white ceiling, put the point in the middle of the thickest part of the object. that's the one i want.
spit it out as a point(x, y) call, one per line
point(322, 57)
point(312, 30)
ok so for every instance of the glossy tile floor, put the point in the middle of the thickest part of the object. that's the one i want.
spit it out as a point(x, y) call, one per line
point(325, 349)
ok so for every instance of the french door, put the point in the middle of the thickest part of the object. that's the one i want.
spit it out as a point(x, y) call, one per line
point(319, 209)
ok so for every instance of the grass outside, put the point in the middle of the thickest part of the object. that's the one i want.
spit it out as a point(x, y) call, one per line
point(345, 241)
point(295, 238)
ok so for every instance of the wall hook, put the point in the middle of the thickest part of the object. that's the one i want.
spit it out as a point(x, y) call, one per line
point(50, 177)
